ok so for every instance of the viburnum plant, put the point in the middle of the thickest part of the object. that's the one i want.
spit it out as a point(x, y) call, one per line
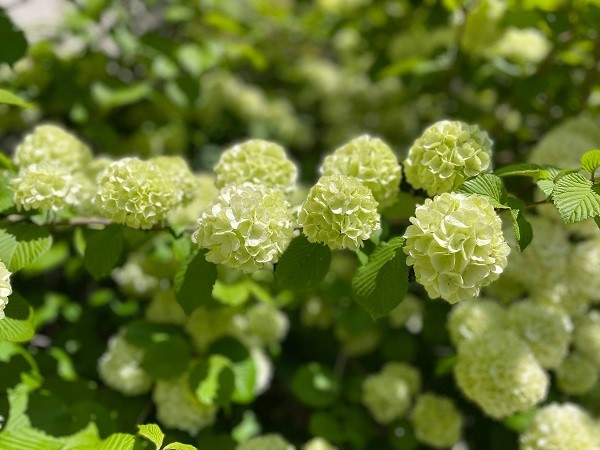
point(233, 255)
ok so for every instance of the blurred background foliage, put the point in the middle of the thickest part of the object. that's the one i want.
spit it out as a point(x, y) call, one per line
point(190, 78)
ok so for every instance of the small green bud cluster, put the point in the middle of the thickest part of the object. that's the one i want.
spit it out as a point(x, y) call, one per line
point(456, 246)
point(266, 441)
point(436, 421)
point(445, 155)
point(5, 288)
point(119, 367)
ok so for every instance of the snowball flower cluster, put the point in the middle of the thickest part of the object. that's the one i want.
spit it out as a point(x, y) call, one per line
point(266, 323)
point(370, 160)
point(498, 371)
point(248, 227)
point(340, 212)
point(456, 246)
point(445, 155)
point(473, 318)
point(177, 406)
point(5, 288)
point(583, 269)
point(119, 367)
point(177, 169)
point(264, 442)
point(204, 193)
point(436, 421)
point(44, 186)
point(318, 443)
point(49, 143)
point(576, 375)
point(256, 161)
point(526, 47)
point(164, 308)
point(586, 337)
point(206, 325)
point(561, 427)
point(136, 193)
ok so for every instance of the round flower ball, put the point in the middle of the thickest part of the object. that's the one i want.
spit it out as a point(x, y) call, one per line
point(498, 371)
point(405, 371)
point(266, 323)
point(340, 212)
point(526, 47)
point(370, 160)
point(558, 426)
point(5, 288)
point(445, 155)
point(576, 375)
point(586, 337)
point(386, 396)
point(436, 421)
point(120, 367)
point(135, 193)
point(177, 169)
point(177, 406)
point(248, 227)
point(256, 161)
point(44, 186)
point(456, 246)
point(546, 330)
point(266, 442)
point(318, 443)
point(473, 318)
point(50, 143)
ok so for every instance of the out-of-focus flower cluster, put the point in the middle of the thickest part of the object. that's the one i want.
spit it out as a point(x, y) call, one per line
point(5, 288)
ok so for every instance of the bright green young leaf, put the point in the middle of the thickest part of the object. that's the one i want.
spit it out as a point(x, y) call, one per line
point(597, 220)
point(213, 380)
point(8, 245)
point(248, 427)
point(316, 385)
point(168, 358)
point(382, 283)
point(153, 433)
point(523, 170)
point(445, 365)
point(520, 421)
point(590, 161)
point(547, 186)
point(194, 282)
point(118, 441)
point(21, 244)
point(109, 98)
point(17, 325)
point(8, 98)
point(522, 228)
point(179, 446)
point(6, 195)
point(244, 373)
point(13, 44)
point(303, 265)
point(103, 250)
point(576, 198)
point(489, 186)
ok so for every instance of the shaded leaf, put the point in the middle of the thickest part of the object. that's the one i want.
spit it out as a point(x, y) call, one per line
point(168, 358)
point(316, 385)
point(13, 44)
point(8, 98)
point(17, 325)
point(303, 265)
point(103, 250)
point(521, 227)
point(194, 282)
point(213, 381)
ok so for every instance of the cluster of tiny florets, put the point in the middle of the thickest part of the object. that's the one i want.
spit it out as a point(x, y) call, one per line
point(576, 374)
point(266, 441)
point(136, 193)
point(456, 246)
point(436, 421)
point(177, 169)
point(119, 367)
point(206, 325)
point(318, 443)
point(177, 406)
point(499, 372)
point(248, 227)
point(526, 47)
point(44, 186)
point(204, 193)
point(561, 427)
point(473, 318)
point(340, 212)
point(445, 155)
point(5, 288)
point(586, 336)
point(164, 308)
point(256, 161)
point(370, 160)
point(266, 324)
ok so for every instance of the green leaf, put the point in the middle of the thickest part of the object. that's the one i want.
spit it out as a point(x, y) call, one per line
point(213, 380)
point(382, 283)
point(103, 250)
point(168, 358)
point(118, 441)
point(520, 421)
point(316, 385)
point(179, 446)
point(445, 365)
point(194, 282)
point(17, 325)
point(576, 198)
point(522, 228)
point(13, 44)
point(303, 265)
point(145, 334)
point(153, 433)
point(523, 170)
point(547, 186)
point(597, 220)
point(8, 98)
point(22, 244)
point(590, 161)
point(489, 186)
point(109, 98)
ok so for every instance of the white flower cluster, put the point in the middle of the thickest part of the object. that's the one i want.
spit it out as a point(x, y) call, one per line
point(456, 246)
point(119, 367)
point(470, 319)
point(436, 421)
point(526, 47)
point(445, 155)
point(576, 375)
point(204, 193)
point(264, 442)
point(247, 228)
point(5, 288)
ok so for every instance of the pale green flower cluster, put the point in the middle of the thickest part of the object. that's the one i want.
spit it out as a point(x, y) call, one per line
point(499, 372)
point(5, 288)
point(389, 393)
point(339, 212)
point(256, 161)
point(456, 246)
point(546, 330)
point(133, 280)
point(52, 144)
point(177, 406)
point(206, 325)
point(136, 193)
point(582, 272)
point(177, 169)
point(436, 421)
point(470, 319)
point(119, 367)
point(576, 375)
point(164, 308)
point(265, 324)
point(204, 193)
point(408, 314)
point(526, 47)
point(558, 426)
point(318, 443)
point(586, 337)
point(370, 160)
point(445, 155)
point(266, 441)
point(44, 186)
point(483, 26)
point(248, 227)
